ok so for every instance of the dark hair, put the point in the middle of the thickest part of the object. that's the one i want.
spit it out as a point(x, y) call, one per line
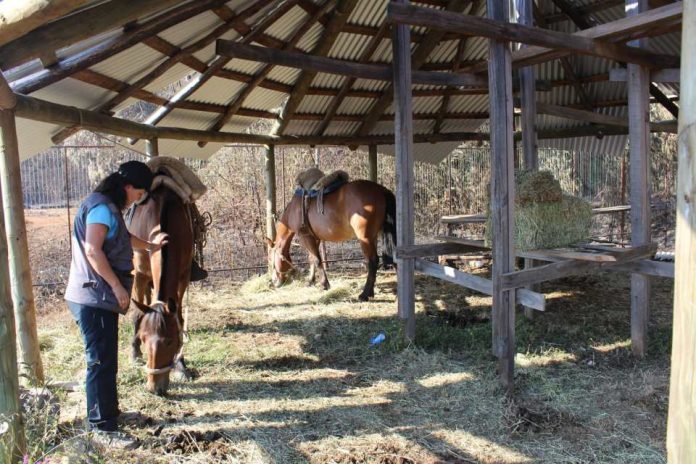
point(113, 187)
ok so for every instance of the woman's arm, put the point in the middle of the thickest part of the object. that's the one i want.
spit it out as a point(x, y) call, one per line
point(156, 244)
point(94, 240)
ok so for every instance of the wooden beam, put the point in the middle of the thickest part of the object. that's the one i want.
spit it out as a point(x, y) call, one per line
point(482, 27)
point(528, 298)
point(328, 37)
point(152, 147)
point(656, 75)
point(571, 12)
point(19, 17)
point(557, 270)
point(10, 407)
point(444, 105)
point(403, 141)
point(18, 251)
point(420, 55)
point(372, 162)
point(639, 172)
point(432, 249)
point(584, 10)
point(640, 25)
point(270, 180)
point(68, 30)
point(236, 104)
point(528, 98)
point(301, 60)
point(346, 86)
point(681, 423)
point(7, 97)
point(502, 195)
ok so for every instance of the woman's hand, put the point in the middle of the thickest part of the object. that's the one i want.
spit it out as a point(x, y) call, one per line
point(121, 295)
point(160, 240)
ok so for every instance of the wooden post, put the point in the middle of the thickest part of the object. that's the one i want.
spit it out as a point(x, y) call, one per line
point(12, 442)
point(152, 147)
point(502, 195)
point(373, 162)
point(269, 175)
point(639, 119)
point(681, 423)
point(20, 271)
point(403, 140)
point(530, 154)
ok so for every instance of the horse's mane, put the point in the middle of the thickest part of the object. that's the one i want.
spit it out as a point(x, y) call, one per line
point(153, 322)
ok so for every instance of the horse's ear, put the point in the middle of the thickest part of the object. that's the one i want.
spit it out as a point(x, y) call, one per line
point(143, 307)
point(171, 306)
point(269, 242)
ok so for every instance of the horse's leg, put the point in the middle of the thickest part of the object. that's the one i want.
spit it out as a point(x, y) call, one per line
point(369, 250)
point(312, 271)
point(141, 284)
point(180, 369)
point(312, 246)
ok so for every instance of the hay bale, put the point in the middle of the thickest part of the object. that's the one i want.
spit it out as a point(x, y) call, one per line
point(544, 216)
point(537, 187)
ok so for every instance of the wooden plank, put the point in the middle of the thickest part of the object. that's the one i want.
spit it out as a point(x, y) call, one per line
point(639, 175)
point(432, 249)
point(502, 195)
point(611, 209)
point(553, 271)
point(18, 251)
point(301, 60)
point(528, 298)
point(463, 219)
point(7, 98)
point(646, 267)
point(403, 139)
point(681, 423)
point(270, 180)
point(482, 27)
point(568, 253)
point(528, 97)
point(152, 147)
point(656, 75)
point(84, 24)
point(463, 241)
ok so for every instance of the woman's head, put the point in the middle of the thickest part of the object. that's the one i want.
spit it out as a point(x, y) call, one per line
point(127, 184)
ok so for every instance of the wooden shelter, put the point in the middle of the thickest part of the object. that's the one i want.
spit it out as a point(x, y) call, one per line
point(416, 79)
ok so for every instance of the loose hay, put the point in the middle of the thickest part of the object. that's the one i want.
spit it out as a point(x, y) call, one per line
point(258, 284)
point(544, 216)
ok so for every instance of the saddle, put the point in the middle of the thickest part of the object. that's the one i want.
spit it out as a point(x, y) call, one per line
point(313, 183)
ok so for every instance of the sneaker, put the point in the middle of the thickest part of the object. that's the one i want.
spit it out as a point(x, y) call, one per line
point(115, 440)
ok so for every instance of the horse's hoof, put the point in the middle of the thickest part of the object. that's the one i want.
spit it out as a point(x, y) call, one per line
point(363, 297)
point(326, 286)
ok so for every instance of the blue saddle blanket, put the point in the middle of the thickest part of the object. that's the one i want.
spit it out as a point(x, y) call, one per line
point(332, 187)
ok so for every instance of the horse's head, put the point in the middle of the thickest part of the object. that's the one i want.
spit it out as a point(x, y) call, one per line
point(279, 263)
point(161, 333)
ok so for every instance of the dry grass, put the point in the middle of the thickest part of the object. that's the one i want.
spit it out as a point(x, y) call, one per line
point(289, 375)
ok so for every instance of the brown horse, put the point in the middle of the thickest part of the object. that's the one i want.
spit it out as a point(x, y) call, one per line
point(360, 209)
point(164, 275)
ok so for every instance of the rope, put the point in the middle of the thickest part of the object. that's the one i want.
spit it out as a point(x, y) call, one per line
point(200, 223)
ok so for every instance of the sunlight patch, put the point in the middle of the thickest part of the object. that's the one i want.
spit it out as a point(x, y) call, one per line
point(479, 449)
point(383, 387)
point(539, 360)
point(609, 347)
point(448, 378)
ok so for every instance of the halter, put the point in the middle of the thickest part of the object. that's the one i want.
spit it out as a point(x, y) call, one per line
point(282, 258)
point(165, 369)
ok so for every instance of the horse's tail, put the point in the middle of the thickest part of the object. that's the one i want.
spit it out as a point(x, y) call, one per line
point(389, 229)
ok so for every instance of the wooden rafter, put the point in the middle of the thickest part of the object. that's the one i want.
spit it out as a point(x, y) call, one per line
point(167, 64)
point(110, 47)
point(225, 13)
point(441, 115)
point(595, 7)
point(420, 55)
point(216, 64)
point(342, 67)
point(19, 17)
point(566, 65)
point(71, 29)
point(578, 18)
point(345, 88)
point(235, 105)
point(326, 41)
point(477, 26)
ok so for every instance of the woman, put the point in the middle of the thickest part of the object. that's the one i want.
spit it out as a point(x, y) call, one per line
point(100, 282)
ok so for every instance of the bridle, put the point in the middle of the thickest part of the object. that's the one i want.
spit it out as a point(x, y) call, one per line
point(282, 258)
point(165, 369)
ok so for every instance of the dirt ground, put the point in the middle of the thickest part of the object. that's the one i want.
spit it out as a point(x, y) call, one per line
point(289, 375)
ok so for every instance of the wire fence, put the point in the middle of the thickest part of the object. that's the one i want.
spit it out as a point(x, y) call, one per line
point(54, 183)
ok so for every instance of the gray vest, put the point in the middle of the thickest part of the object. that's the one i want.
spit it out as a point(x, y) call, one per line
point(85, 286)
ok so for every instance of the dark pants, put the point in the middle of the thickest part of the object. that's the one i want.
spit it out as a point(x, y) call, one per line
point(99, 329)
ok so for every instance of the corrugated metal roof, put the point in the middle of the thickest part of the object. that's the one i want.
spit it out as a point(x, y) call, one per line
point(131, 64)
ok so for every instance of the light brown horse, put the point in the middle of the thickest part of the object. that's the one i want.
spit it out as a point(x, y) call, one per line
point(360, 209)
point(164, 275)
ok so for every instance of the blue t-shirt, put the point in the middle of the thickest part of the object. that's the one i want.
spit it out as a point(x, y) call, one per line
point(101, 214)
